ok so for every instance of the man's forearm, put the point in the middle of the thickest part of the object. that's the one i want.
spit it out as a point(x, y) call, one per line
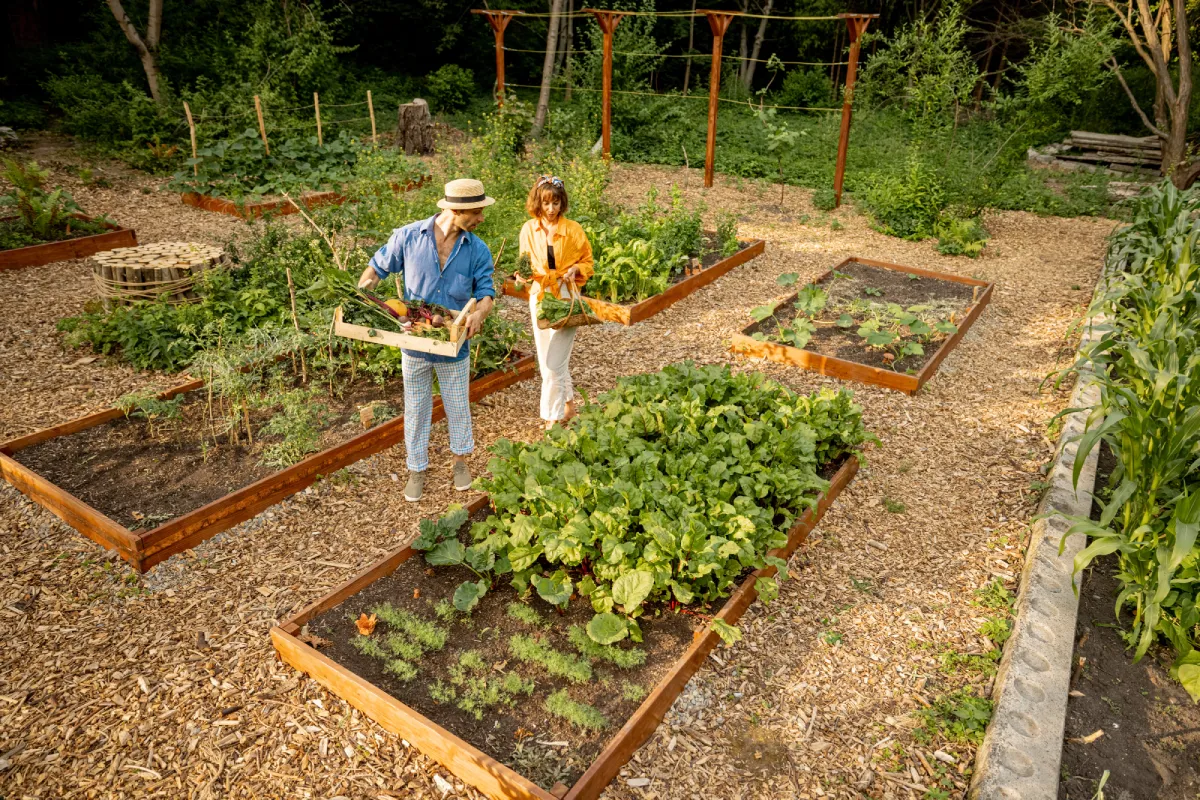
point(369, 279)
point(484, 306)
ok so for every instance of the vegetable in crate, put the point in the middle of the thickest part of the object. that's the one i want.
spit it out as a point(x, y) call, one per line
point(670, 488)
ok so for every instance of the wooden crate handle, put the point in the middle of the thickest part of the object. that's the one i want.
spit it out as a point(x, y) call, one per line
point(456, 326)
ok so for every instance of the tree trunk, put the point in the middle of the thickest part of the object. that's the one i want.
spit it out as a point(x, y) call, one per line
point(543, 106)
point(414, 128)
point(758, 40)
point(560, 50)
point(687, 70)
point(570, 43)
point(147, 49)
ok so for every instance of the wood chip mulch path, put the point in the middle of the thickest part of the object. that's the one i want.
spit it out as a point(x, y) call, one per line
point(166, 685)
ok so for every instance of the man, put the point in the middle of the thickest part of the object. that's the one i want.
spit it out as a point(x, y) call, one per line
point(440, 261)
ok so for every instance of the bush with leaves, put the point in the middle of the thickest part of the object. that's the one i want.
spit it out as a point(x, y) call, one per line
point(907, 205)
point(670, 487)
point(41, 216)
point(450, 87)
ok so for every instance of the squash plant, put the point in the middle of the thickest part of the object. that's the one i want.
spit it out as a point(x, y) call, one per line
point(669, 488)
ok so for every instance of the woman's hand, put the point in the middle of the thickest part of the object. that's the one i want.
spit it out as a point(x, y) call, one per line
point(519, 280)
point(570, 274)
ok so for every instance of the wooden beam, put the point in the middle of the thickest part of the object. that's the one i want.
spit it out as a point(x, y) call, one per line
point(857, 25)
point(718, 21)
point(499, 21)
point(608, 21)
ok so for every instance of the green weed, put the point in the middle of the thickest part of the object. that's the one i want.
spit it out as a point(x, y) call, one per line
point(960, 718)
point(578, 714)
point(527, 615)
point(558, 664)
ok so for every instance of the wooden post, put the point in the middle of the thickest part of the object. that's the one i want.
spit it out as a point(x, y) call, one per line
point(499, 21)
point(192, 132)
point(857, 25)
point(262, 128)
point(371, 111)
point(608, 21)
point(317, 109)
point(719, 22)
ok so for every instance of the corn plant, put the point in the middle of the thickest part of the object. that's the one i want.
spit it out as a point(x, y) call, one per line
point(1146, 363)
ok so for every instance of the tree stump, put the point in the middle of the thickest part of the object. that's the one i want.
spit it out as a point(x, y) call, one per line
point(414, 128)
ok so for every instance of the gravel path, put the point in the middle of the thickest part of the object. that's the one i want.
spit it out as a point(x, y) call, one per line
point(166, 685)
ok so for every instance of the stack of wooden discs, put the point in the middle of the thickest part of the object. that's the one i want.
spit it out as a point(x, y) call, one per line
point(150, 271)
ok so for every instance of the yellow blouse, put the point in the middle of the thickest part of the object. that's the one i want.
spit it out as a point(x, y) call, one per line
point(571, 249)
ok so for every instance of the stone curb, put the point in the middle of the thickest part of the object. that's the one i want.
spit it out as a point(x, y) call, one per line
point(1022, 749)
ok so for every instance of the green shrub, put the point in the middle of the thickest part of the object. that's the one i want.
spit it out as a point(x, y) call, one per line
point(578, 714)
point(823, 199)
point(450, 87)
point(806, 87)
point(906, 205)
point(960, 237)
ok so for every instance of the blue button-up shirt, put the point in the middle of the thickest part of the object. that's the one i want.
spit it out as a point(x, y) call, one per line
point(412, 252)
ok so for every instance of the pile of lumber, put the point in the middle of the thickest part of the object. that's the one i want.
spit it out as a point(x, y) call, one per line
point(1090, 151)
point(150, 271)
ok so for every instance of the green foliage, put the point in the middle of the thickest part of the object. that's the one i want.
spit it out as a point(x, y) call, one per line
point(906, 205)
point(927, 68)
point(670, 486)
point(997, 629)
point(727, 234)
point(1149, 415)
point(806, 87)
point(41, 216)
point(778, 139)
point(419, 631)
point(960, 237)
point(300, 422)
point(526, 615)
point(449, 87)
point(578, 714)
point(959, 718)
point(474, 691)
point(994, 597)
point(559, 664)
point(823, 199)
point(633, 692)
point(146, 405)
point(625, 658)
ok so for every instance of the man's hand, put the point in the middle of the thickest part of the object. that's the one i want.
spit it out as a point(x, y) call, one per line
point(475, 318)
point(368, 279)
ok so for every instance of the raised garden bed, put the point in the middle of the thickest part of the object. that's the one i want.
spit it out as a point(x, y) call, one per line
point(279, 207)
point(630, 314)
point(861, 292)
point(60, 469)
point(36, 255)
point(485, 757)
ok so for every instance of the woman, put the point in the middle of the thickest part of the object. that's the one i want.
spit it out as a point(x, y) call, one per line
point(560, 255)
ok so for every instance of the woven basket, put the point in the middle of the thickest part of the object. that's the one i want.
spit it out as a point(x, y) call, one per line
point(576, 319)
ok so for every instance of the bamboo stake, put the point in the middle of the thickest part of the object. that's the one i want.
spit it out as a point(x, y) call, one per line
point(262, 128)
point(296, 325)
point(191, 130)
point(317, 108)
point(371, 110)
point(336, 259)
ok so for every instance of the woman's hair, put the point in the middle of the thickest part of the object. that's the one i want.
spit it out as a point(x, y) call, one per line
point(546, 189)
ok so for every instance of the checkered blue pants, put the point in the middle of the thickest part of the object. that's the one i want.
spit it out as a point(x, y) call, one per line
point(454, 381)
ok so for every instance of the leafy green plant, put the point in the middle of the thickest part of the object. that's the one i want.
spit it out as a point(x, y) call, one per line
point(960, 717)
point(618, 656)
point(559, 664)
point(960, 237)
point(525, 614)
point(653, 456)
point(147, 406)
point(633, 692)
point(450, 87)
point(421, 631)
point(907, 205)
point(727, 234)
point(578, 714)
point(778, 139)
point(300, 422)
point(42, 216)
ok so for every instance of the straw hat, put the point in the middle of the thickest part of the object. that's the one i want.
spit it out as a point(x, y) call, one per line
point(465, 193)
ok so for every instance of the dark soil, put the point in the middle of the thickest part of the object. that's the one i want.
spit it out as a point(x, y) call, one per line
point(141, 478)
point(1151, 741)
point(895, 287)
point(514, 736)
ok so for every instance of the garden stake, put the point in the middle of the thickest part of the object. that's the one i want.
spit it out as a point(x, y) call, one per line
point(317, 108)
point(371, 111)
point(262, 128)
point(192, 132)
point(296, 325)
point(336, 261)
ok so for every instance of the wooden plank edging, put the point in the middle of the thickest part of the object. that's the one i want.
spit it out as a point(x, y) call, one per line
point(638, 312)
point(37, 255)
point(744, 344)
point(463, 759)
point(279, 207)
point(144, 549)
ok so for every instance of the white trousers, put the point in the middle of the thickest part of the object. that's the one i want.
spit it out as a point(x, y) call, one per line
point(554, 359)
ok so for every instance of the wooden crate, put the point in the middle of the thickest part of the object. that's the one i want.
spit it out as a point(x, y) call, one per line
point(633, 313)
point(144, 549)
point(467, 762)
point(38, 254)
point(279, 207)
point(408, 341)
point(744, 344)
